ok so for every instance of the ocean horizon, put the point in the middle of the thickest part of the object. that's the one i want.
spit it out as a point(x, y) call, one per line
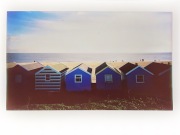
point(87, 57)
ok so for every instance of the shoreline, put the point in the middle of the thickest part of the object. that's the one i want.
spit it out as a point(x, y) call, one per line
point(88, 57)
point(158, 61)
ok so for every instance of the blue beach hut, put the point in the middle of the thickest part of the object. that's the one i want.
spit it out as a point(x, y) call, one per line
point(79, 78)
point(137, 77)
point(107, 77)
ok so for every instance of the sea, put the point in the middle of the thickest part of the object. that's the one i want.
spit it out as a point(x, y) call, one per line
point(87, 57)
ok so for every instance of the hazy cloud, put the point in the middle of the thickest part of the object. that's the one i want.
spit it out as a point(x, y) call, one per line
point(119, 32)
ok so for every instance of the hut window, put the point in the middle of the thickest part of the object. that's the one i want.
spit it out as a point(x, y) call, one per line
point(108, 78)
point(47, 77)
point(78, 78)
point(139, 78)
point(18, 78)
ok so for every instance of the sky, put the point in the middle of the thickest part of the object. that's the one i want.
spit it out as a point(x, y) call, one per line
point(88, 32)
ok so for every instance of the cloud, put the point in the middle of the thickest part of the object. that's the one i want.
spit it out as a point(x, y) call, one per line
point(118, 32)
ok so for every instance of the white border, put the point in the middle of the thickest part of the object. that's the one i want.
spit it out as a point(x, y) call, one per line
point(79, 122)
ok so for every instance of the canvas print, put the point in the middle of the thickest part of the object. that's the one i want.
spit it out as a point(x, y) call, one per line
point(89, 60)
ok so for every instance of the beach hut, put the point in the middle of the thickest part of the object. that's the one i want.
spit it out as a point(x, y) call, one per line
point(79, 78)
point(23, 76)
point(20, 83)
point(51, 77)
point(107, 77)
point(137, 77)
point(163, 76)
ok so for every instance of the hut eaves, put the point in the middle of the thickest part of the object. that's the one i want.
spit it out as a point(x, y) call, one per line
point(127, 67)
point(157, 68)
point(103, 66)
point(32, 66)
point(83, 67)
point(59, 67)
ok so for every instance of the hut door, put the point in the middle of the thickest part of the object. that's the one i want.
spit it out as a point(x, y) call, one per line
point(108, 82)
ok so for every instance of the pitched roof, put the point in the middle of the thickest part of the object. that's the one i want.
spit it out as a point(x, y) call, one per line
point(157, 68)
point(103, 66)
point(32, 66)
point(140, 68)
point(100, 67)
point(59, 67)
point(11, 65)
point(142, 63)
point(83, 67)
point(127, 67)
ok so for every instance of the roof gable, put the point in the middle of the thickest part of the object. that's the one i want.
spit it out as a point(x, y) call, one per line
point(47, 67)
point(137, 68)
point(127, 67)
point(104, 66)
point(157, 68)
point(32, 66)
point(101, 67)
point(19, 67)
point(85, 68)
point(82, 67)
point(59, 67)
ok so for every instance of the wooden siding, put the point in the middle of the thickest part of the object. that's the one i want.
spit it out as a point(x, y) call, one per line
point(164, 81)
point(148, 83)
point(27, 83)
point(71, 85)
point(54, 82)
point(101, 84)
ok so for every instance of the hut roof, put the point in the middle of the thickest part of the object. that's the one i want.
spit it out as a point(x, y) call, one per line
point(59, 67)
point(83, 67)
point(100, 67)
point(139, 67)
point(157, 68)
point(127, 67)
point(11, 64)
point(103, 66)
point(32, 66)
